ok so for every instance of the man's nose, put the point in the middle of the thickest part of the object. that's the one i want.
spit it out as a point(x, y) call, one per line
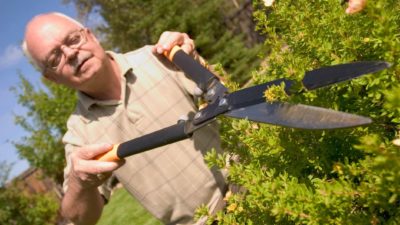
point(69, 52)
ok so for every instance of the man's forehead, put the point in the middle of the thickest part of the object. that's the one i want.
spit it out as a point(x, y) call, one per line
point(45, 31)
point(51, 25)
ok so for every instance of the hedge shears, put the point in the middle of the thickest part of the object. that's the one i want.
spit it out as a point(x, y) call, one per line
point(250, 103)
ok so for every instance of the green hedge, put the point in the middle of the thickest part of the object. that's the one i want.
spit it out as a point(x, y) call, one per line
point(348, 176)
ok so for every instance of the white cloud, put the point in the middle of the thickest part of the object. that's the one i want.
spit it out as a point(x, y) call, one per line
point(11, 55)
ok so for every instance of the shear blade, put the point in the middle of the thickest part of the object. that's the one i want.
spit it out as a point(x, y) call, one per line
point(333, 74)
point(298, 116)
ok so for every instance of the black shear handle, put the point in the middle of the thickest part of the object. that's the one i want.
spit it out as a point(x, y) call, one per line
point(149, 141)
point(193, 69)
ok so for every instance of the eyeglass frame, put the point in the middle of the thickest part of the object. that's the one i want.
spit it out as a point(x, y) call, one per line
point(83, 36)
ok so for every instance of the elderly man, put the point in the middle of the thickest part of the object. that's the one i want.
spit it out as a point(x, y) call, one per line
point(120, 97)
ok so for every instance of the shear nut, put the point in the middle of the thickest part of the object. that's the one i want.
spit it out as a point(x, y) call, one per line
point(211, 93)
point(223, 102)
point(197, 115)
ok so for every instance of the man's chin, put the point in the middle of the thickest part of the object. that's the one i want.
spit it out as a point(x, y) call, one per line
point(85, 72)
point(85, 78)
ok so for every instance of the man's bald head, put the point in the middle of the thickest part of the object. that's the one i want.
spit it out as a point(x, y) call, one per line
point(41, 27)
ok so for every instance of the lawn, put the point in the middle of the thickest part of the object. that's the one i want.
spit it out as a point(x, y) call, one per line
point(123, 209)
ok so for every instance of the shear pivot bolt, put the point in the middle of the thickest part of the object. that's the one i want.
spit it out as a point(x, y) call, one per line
point(211, 93)
point(223, 102)
point(197, 115)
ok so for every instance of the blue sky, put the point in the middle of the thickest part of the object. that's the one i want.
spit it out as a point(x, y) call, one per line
point(13, 17)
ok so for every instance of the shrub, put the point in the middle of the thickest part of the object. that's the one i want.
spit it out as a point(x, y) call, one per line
point(347, 176)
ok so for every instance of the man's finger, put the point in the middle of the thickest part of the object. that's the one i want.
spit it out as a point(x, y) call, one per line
point(91, 151)
point(169, 39)
point(188, 49)
point(159, 46)
point(96, 167)
point(188, 44)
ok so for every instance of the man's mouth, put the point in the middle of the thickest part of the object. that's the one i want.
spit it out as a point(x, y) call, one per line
point(80, 61)
point(81, 64)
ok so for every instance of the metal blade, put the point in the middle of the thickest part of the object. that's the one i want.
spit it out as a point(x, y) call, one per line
point(298, 116)
point(333, 74)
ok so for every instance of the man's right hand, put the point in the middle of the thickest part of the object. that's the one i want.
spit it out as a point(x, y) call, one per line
point(82, 202)
point(87, 172)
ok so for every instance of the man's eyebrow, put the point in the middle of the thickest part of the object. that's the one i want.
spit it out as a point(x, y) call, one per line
point(58, 46)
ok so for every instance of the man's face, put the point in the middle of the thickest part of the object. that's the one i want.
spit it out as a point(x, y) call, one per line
point(67, 53)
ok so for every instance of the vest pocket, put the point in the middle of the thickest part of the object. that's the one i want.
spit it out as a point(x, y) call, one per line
point(133, 114)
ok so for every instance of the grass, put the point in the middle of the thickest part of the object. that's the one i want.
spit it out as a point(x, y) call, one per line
point(124, 209)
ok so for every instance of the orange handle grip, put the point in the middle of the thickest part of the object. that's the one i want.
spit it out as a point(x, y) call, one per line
point(110, 155)
point(170, 54)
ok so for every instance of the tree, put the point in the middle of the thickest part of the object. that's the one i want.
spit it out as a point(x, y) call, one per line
point(5, 169)
point(345, 176)
point(134, 23)
point(45, 121)
point(18, 208)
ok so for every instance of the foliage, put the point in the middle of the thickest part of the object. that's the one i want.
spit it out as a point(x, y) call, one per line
point(134, 23)
point(5, 169)
point(290, 176)
point(48, 110)
point(19, 208)
point(123, 209)
point(348, 176)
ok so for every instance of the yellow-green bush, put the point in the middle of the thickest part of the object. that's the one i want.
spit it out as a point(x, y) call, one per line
point(348, 176)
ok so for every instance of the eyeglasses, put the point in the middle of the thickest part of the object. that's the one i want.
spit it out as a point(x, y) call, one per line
point(74, 41)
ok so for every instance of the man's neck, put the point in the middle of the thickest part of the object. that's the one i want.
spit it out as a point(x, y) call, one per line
point(108, 85)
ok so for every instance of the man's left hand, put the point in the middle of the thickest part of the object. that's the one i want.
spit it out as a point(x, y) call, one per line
point(169, 39)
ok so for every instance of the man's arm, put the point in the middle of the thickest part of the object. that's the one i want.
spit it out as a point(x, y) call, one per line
point(82, 206)
point(82, 202)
